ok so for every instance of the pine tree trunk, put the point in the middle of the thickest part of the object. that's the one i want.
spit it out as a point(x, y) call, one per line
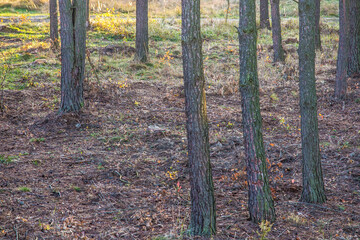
point(54, 34)
point(313, 185)
point(261, 206)
point(203, 216)
point(317, 25)
point(276, 31)
point(354, 38)
point(343, 51)
point(73, 44)
point(142, 35)
point(87, 13)
point(264, 14)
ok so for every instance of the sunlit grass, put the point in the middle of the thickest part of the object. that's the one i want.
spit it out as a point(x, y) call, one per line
point(162, 8)
point(21, 5)
point(25, 43)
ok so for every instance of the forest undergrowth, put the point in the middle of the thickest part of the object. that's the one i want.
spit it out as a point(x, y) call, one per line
point(118, 170)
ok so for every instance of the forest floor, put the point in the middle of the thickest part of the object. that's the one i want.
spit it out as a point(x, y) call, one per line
point(118, 170)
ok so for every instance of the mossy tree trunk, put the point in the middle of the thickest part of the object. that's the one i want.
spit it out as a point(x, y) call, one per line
point(354, 38)
point(54, 29)
point(203, 216)
point(343, 51)
point(261, 206)
point(313, 185)
point(276, 31)
point(264, 14)
point(317, 25)
point(142, 32)
point(73, 45)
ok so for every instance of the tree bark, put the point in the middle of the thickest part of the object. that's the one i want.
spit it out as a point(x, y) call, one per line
point(264, 14)
point(54, 31)
point(343, 51)
point(87, 13)
point(317, 25)
point(261, 206)
point(142, 35)
point(313, 185)
point(354, 38)
point(227, 11)
point(73, 45)
point(276, 31)
point(203, 216)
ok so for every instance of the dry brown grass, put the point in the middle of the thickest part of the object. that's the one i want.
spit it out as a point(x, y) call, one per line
point(23, 4)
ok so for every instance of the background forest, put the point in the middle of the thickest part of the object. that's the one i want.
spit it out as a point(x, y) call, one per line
point(119, 168)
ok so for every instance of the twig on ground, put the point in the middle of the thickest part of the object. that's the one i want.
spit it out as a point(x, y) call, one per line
point(16, 232)
point(101, 196)
point(53, 190)
point(281, 233)
point(120, 176)
point(168, 110)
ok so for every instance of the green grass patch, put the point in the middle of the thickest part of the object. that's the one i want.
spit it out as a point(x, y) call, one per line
point(24, 189)
point(7, 159)
point(7, 11)
point(76, 188)
point(37, 140)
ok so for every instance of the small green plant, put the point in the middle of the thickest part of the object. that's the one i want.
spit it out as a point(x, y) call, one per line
point(297, 219)
point(3, 159)
point(325, 144)
point(294, 93)
point(274, 97)
point(265, 227)
point(24, 189)
point(77, 189)
point(36, 162)
point(345, 145)
point(341, 207)
point(230, 125)
point(100, 167)
point(94, 134)
point(37, 140)
point(8, 159)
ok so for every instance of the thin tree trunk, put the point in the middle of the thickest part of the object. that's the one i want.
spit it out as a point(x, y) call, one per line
point(354, 38)
point(203, 216)
point(261, 206)
point(227, 11)
point(87, 13)
point(343, 50)
point(54, 32)
point(313, 185)
point(142, 35)
point(73, 44)
point(276, 31)
point(264, 14)
point(317, 25)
